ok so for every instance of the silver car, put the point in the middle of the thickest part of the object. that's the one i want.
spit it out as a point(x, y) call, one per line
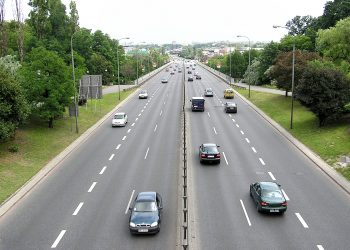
point(120, 119)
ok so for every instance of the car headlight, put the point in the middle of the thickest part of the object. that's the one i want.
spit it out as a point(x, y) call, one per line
point(132, 224)
point(154, 224)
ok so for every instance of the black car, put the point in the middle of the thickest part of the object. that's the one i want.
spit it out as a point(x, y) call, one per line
point(208, 152)
point(190, 79)
point(230, 107)
point(189, 72)
point(198, 77)
point(145, 215)
point(268, 197)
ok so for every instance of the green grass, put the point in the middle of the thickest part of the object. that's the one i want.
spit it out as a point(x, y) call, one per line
point(38, 144)
point(330, 142)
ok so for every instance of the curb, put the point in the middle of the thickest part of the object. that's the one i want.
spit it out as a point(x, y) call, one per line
point(315, 158)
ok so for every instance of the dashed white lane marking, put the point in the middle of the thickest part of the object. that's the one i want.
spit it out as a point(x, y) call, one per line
point(103, 170)
point(229, 115)
point(127, 208)
point(92, 186)
point(225, 158)
point(76, 211)
point(142, 110)
point(136, 119)
point(208, 114)
point(146, 153)
point(262, 161)
point(118, 147)
point(301, 220)
point(247, 140)
point(164, 103)
point(320, 247)
point(161, 112)
point(111, 157)
point(233, 120)
point(144, 107)
point(139, 114)
point(155, 128)
point(242, 132)
point(254, 150)
point(285, 195)
point(123, 139)
point(129, 130)
point(59, 237)
point(245, 213)
point(237, 125)
point(215, 130)
point(271, 175)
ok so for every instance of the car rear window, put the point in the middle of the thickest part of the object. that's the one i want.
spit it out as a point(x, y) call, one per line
point(118, 116)
point(211, 149)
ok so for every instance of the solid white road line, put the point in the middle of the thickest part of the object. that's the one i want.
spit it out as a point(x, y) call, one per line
point(225, 157)
point(208, 114)
point(111, 157)
point(92, 186)
point(161, 112)
point(103, 170)
point(155, 128)
point(132, 125)
point(76, 211)
point(271, 175)
point(254, 150)
point(285, 195)
point(59, 237)
point(118, 146)
point(124, 138)
point(262, 162)
point(320, 247)
point(246, 214)
point(247, 140)
point(127, 208)
point(146, 153)
point(242, 132)
point(302, 220)
point(215, 130)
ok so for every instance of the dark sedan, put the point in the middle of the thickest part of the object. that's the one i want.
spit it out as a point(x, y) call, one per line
point(230, 107)
point(190, 79)
point(268, 197)
point(208, 152)
point(145, 216)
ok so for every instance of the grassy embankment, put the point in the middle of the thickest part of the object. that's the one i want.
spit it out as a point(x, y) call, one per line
point(330, 142)
point(38, 144)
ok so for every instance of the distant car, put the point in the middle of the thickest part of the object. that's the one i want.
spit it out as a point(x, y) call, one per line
point(189, 72)
point(143, 94)
point(172, 73)
point(198, 77)
point(268, 197)
point(179, 71)
point(164, 80)
point(229, 93)
point(145, 213)
point(208, 92)
point(209, 152)
point(120, 119)
point(230, 107)
point(190, 79)
point(167, 70)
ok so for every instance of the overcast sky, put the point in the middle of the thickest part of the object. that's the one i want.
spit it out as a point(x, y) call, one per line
point(187, 21)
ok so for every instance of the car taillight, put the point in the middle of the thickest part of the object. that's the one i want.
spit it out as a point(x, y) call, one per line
point(284, 204)
point(217, 155)
point(263, 203)
point(202, 155)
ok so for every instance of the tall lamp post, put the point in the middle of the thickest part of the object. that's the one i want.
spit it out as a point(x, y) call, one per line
point(125, 38)
point(293, 65)
point(230, 66)
point(249, 63)
point(75, 91)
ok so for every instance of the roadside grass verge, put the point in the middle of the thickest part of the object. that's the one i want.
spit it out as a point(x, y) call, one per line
point(330, 142)
point(37, 144)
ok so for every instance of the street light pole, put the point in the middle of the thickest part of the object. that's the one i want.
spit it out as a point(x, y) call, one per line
point(248, 63)
point(293, 66)
point(118, 63)
point(75, 94)
point(230, 66)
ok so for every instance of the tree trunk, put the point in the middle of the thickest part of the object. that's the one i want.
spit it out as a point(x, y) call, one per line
point(286, 93)
point(50, 122)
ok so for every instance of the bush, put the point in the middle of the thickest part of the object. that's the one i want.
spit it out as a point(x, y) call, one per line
point(13, 148)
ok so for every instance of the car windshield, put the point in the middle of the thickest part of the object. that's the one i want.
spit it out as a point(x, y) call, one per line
point(211, 149)
point(271, 194)
point(145, 206)
point(119, 117)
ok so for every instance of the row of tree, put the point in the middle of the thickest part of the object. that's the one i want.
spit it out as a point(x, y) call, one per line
point(36, 62)
point(322, 61)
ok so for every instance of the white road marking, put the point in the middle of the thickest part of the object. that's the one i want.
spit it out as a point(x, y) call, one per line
point(208, 114)
point(302, 220)
point(92, 186)
point(229, 115)
point(254, 150)
point(271, 175)
point(285, 195)
point(247, 140)
point(144, 107)
point(136, 119)
point(246, 214)
point(161, 112)
point(262, 162)
point(76, 211)
point(155, 128)
point(320, 247)
point(59, 237)
point(142, 110)
point(124, 138)
point(146, 153)
point(215, 130)
point(139, 114)
point(225, 158)
point(233, 120)
point(242, 132)
point(118, 147)
point(237, 125)
point(164, 103)
point(127, 208)
point(111, 157)
point(146, 104)
point(103, 170)
point(129, 130)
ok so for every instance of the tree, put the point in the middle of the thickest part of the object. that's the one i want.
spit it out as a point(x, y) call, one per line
point(252, 73)
point(324, 90)
point(299, 25)
point(99, 65)
point(13, 105)
point(266, 59)
point(38, 17)
point(48, 84)
point(333, 12)
point(302, 42)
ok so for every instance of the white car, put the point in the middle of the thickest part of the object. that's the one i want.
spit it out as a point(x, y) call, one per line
point(164, 80)
point(143, 94)
point(120, 119)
